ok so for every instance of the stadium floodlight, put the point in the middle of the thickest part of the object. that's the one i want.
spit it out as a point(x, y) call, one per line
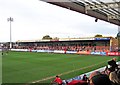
point(10, 20)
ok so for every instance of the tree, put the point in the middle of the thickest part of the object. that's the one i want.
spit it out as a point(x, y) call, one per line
point(98, 35)
point(46, 37)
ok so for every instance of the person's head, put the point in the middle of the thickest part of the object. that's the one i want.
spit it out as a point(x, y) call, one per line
point(100, 79)
point(114, 59)
point(57, 76)
point(93, 74)
point(84, 75)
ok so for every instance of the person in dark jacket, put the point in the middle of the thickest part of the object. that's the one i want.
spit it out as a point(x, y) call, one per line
point(113, 64)
point(85, 78)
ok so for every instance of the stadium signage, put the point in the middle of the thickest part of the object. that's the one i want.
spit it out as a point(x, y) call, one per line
point(58, 51)
point(48, 51)
point(83, 52)
point(102, 38)
point(98, 53)
point(71, 52)
point(113, 53)
point(24, 50)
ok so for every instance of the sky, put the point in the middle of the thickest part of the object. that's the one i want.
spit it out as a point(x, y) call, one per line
point(33, 19)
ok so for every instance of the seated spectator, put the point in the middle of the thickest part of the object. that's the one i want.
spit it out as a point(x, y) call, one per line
point(101, 79)
point(94, 74)
point(107, 71)
point(118, 73)
point(96, 78)
point(114, 78)
point(85, 78)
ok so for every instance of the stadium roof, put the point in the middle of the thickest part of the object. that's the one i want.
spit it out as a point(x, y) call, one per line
point(107, 10)
point(67, 39)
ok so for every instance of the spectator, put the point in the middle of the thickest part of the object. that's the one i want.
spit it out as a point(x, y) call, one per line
point(118, 73)
point(100, 79)
point(114, 78)
point(58, 80)
point(113, 64)
point(85, 78)
point(107, 71)
point(94, 74)
point(96, 78)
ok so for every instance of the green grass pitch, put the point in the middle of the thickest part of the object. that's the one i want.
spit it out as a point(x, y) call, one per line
point(25, 67)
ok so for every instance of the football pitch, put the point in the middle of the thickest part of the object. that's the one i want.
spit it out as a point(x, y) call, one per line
point(28, 67)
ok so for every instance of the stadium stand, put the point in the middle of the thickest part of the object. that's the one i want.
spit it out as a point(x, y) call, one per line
point(96, 46)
